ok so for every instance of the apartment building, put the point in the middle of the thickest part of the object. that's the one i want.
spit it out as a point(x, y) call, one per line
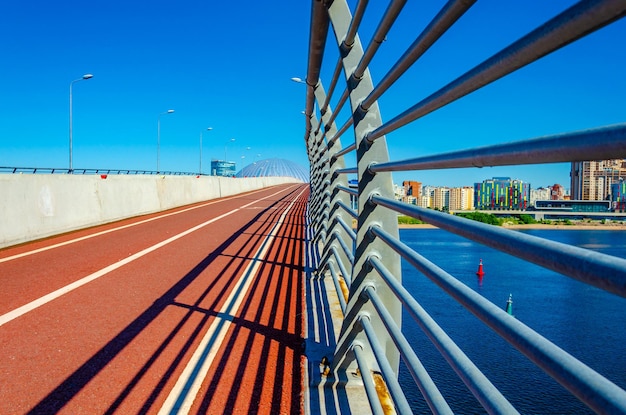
point(592, 180)
point(462, 198)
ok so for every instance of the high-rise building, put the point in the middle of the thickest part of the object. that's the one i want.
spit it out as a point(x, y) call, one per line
point(462, 198)
point(412, 188)
point(501, 193)
point(618, 196)
point(428, 197)
point(592, 180)
point(441, 198)
point(423, 201)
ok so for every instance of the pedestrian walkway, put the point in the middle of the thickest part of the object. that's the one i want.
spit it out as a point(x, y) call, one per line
point(195, 310)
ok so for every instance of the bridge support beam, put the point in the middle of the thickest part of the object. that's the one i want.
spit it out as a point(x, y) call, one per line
point(363, 275)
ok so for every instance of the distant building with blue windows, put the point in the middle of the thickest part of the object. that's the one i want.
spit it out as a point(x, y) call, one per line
point(223, 168)
point(501, 193)
point(581, 206)
point(618, 196)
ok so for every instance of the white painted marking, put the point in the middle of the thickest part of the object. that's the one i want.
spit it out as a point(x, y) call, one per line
point(82, 238)
point(184, 392)
point(18, 312)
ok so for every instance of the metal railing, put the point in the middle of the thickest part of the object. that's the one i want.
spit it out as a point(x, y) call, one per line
point(51, 170)
point(365, 264)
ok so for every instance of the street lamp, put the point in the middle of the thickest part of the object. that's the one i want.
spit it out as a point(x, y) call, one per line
point(208, 129)
point(226, 145)
point(300, 81)
point(84, 78)
point(159, 137)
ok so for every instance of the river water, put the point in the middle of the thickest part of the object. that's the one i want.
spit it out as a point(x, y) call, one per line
point(585, 321)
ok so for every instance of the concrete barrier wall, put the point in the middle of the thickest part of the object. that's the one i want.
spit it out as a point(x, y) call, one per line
point(35, 206)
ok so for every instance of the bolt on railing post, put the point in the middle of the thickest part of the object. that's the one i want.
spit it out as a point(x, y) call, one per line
point(369, 183)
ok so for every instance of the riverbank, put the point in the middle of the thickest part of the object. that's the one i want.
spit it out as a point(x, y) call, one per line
point(574, 227)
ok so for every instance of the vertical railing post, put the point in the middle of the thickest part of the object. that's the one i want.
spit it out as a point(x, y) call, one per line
point(362, 274)
point(333, 214)
point(320, 219)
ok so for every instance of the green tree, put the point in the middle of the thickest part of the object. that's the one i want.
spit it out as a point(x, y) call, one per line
point(481, 217)
point(527, 219)
point(407, 220)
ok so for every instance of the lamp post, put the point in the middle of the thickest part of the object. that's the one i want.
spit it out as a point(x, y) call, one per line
point(226, 145)
point(208, 129)
point(247, 152)
point(159, 138)
point(83, 78)
point(300, 81)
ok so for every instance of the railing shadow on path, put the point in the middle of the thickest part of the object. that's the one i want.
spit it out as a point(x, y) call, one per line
point(73, 384)
point(326, 394)
point(280, 275)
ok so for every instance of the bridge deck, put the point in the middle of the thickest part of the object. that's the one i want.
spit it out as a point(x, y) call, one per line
point(198, 309)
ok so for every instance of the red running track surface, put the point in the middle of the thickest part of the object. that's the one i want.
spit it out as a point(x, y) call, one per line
point(198, 308)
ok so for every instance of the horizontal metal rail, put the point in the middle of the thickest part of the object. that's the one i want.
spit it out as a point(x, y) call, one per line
point(600, 394)
point(579, 20)
point(450, 13)
point(332, 86)
point(340, 132)
point(424, 382)
point(600, 270)
point(402, 405)
point(345, 150)
point(370, 387)
point(602, 143)
point(367, 259)
point(348, 190)
point(342, 268)
point(392, 12)
point(348, 209)
point(333, 273)
point(347, 228)
point(487, 394)
point(348, 170)
point(50, 170)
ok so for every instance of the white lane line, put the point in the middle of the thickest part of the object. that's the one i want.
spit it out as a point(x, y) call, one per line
point(20, 311)
point(82, 238)
point(184, 392)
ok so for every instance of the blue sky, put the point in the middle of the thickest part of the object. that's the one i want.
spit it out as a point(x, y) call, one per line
point(227, 65)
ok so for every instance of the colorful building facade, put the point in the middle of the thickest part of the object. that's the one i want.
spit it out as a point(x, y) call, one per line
point(501, 193)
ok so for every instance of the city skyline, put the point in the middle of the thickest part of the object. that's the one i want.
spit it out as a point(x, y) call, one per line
point(490, 178)
point(589, 180)
point(597, 185)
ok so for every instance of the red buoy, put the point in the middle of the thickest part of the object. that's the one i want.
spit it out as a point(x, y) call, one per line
point(480, 271)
